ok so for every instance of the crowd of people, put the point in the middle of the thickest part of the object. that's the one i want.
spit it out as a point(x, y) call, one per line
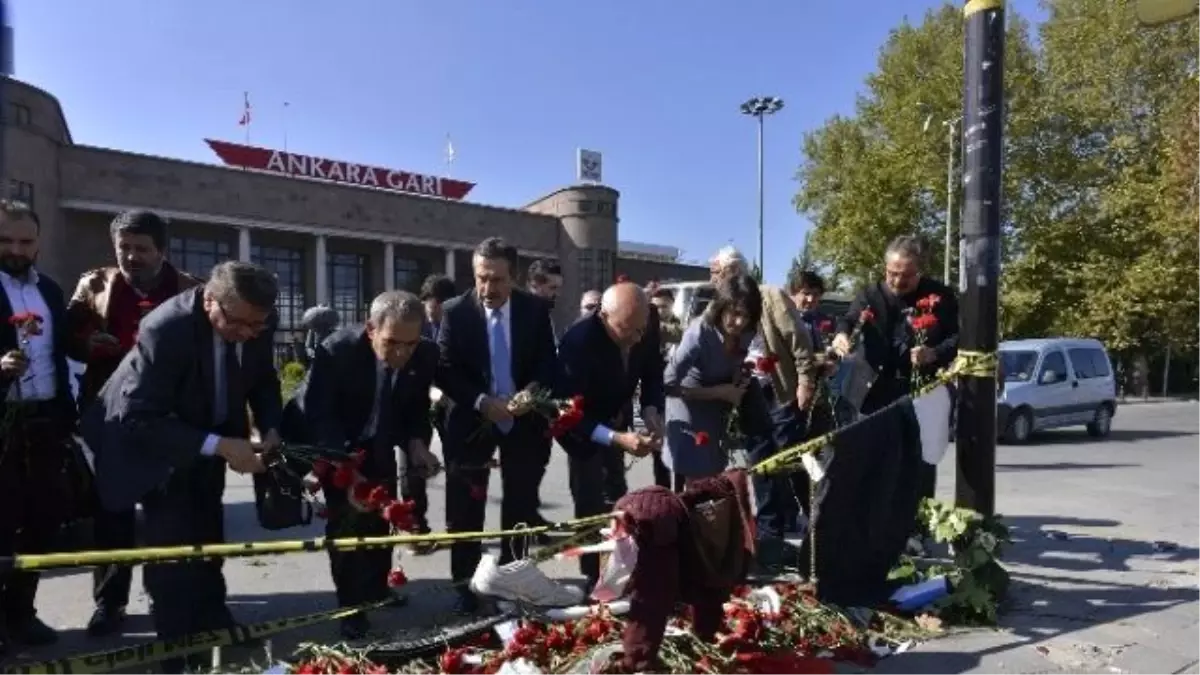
point(178, 370)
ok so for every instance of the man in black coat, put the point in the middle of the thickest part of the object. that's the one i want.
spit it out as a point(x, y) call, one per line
point(368, 389)
point(891, 346)
point(173, 416)
point(603, 358)
point(495, 341)
point(34, 500)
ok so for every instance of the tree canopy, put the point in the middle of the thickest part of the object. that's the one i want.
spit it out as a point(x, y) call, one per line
point(1100, 170)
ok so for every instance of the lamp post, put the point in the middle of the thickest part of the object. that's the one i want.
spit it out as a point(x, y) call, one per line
point(759, 107)
point(951, 131)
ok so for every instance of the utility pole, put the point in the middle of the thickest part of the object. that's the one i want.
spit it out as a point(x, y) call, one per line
point(6, 71)
point(983, 145)
point(759, 108)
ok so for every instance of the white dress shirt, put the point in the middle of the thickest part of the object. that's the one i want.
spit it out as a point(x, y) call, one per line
point(506, 321)
point(39, 382)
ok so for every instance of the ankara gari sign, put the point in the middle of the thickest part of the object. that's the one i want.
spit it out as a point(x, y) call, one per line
point(304, 166)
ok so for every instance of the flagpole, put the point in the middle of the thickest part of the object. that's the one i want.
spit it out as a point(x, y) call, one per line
point(285, 139)
point(449, 157)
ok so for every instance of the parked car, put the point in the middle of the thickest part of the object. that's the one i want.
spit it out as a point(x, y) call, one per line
point(1052, 383)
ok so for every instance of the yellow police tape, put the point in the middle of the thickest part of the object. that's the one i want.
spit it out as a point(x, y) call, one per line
point(967, 364)
point(158, 650)
point(137, 556)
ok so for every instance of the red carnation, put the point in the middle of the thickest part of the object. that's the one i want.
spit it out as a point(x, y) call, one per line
point(400, 514)
point(701, 437)
point(378, 497)
point(866, 316)
point(766, 364)
point(924, 322)
point(928, 302)
point(397, 578)
point(343, 477)
point(453, 661)
point(826, 326)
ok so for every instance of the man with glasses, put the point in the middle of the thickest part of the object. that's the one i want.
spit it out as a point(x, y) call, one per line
point(172, 417)
point(390, 353)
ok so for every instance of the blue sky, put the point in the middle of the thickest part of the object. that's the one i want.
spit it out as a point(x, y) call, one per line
point(518, 84)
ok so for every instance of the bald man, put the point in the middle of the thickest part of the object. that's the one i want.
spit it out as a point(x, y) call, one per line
point(603, 358)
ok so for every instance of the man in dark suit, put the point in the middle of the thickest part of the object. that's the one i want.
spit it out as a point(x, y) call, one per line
point(889, 344)
point(34, 499)
point(391, 410)
point(173, 416)
point(603, 358)
point(495, 341)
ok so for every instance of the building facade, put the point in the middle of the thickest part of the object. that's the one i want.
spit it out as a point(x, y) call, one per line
point(329, 243)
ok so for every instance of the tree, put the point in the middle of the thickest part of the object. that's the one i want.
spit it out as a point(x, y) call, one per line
point(866, 179)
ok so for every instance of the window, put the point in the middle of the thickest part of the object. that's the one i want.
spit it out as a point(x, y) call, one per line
point(1100, 366)
point(288, 266)
point(1053, 361)
point(595, 269)
point(348, 286)
point(197, 255)
point(1081, 361)
point(19, 190)
point(408, 274)
point(1017, 366)
point(19, 115)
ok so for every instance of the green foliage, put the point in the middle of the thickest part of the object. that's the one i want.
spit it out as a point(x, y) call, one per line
point(291, 375)
point(1099, 210)
point(979, 582)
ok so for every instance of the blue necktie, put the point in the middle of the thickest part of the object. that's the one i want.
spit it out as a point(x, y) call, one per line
point(502, 381)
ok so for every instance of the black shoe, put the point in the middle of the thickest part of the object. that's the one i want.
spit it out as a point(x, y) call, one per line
point(33, 633)
point(355, 627)
point(466, 603)
point(105, 621)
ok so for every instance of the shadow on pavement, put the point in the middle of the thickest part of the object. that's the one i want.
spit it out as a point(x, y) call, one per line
point(1117, 435)
point(1059, 466)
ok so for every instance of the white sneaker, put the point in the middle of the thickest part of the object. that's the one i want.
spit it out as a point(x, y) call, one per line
point(522, 581)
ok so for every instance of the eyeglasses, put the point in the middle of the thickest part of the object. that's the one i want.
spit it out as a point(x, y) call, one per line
point(255, 326)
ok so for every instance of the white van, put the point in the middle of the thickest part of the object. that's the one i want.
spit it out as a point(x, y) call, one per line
point(1052, 383)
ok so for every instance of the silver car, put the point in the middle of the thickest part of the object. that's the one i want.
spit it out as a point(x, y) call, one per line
point(1052, 383)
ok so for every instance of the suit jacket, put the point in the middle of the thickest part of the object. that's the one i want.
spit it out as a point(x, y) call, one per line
point(590, 366)
point(338, 395)
point(886, 341)
point(153, 414)
point(88, 312)
point(464, 357)
point(788, 341)
point(52, 295)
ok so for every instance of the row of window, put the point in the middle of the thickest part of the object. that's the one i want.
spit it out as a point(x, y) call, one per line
point(1087, 363)
point(347, 275)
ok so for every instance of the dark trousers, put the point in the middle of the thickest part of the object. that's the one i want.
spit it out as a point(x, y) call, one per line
point(187, 596)
point(466, 450)
point(18, 589)
point(776, 427)
point(413, 486)
point(592, 492)
point(111, 583)
point(359, 576)
point(542, 449)
point(615, 485)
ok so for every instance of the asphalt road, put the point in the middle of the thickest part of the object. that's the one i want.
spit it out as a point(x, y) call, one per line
point(1092, 593)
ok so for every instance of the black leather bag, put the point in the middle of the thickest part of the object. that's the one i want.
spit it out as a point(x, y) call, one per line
point(279, 497)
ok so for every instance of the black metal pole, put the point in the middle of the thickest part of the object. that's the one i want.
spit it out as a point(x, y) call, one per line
point(983, 138)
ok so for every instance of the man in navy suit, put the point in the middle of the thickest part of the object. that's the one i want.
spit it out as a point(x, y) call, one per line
point(387, 352)
point(495, 341)
point(603, 358)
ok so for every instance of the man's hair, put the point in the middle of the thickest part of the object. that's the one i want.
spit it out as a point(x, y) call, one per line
point(807, 279)
point(438, 287)
point(18, 210)
point(141, 222)
point(496, 248)
point(736, 290)
point(664, 293)
point(906, 246)
point(397, 306)
point(541, 270)
point(250, 283)
point(729, 257)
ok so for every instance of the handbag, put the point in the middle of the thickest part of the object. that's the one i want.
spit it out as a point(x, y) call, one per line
point(279, 496)
point(716, 542)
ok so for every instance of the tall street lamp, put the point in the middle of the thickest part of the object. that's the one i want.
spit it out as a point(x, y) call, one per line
point(951, 132)
point(760, 107)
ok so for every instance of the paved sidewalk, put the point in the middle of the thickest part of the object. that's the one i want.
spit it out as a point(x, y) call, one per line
point(1104, 561)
